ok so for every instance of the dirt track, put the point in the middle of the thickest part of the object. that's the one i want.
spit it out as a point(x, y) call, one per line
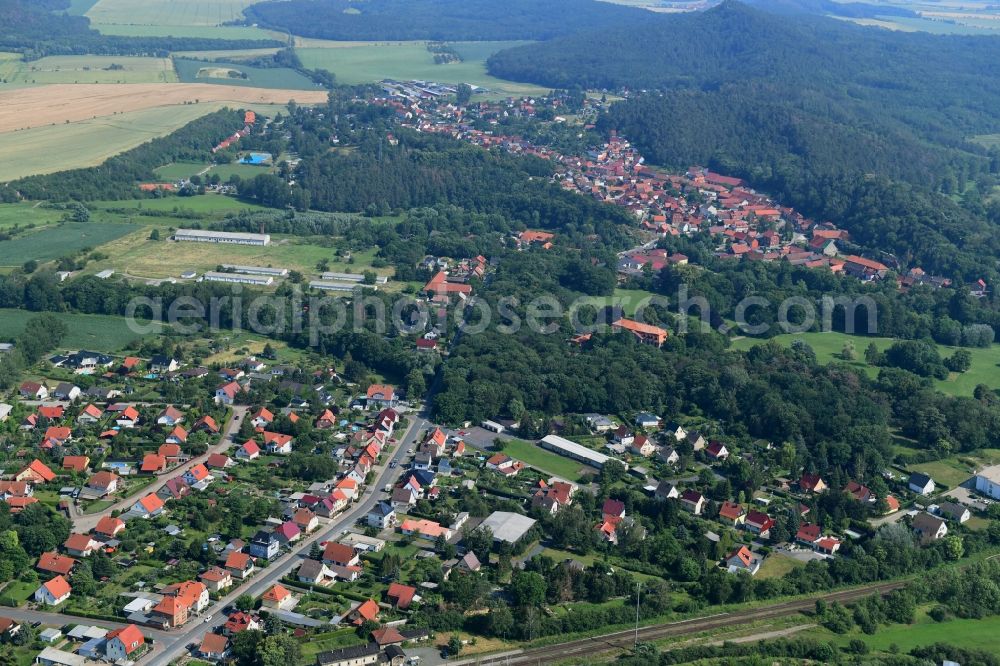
point(22, 108)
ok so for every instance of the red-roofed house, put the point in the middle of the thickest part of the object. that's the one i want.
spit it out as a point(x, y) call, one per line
point(808, 534)
point(759, 523)
point(75, 463)
point(239, 564)
point(249, 450)
point(279, 598)
point(366, 611)
point(400, 596)
point(109, 527)
point(104, 483)
point(732, 513)
point(36, 472)
point(645, 333)
point(124, 644)
point(54, 592)
point(153, 464)
point(149, 506)
point(80, 545)
point(812, 483)
point(54, 563)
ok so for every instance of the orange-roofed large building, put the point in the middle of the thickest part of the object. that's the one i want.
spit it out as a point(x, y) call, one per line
point(645, 333)
point(440, 286)
point(425, 528)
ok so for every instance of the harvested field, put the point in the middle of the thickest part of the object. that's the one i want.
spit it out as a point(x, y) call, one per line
point(56, 104)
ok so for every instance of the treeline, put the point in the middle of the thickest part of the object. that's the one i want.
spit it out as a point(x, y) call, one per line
point(118, 176)
point(38, 30)
point(438, 20)
point(826, 116)
point(41, 335)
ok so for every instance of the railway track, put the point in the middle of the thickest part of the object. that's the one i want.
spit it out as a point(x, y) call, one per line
point(621, 640)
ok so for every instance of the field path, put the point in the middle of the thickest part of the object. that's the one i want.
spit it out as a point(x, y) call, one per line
point(24, 108)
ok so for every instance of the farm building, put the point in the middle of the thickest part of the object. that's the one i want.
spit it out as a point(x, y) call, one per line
point(564, 447)
point(241, 278)
point(257, 270)
point(351, 277)
point(236, 238)
point(338, 286)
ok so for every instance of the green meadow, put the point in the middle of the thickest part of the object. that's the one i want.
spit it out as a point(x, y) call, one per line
point(58, 241)
point(828, 346)
point(102, 333)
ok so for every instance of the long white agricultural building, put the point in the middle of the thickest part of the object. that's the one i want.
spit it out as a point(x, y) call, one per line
point(564, 447)
point(256, 270)
point(351, 277)
point(239, 278)
point(233, 237)
point(339, 286)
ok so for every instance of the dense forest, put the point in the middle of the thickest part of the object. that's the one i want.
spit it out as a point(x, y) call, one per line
point(39, 29)
point(868, 128)
point(439, 20)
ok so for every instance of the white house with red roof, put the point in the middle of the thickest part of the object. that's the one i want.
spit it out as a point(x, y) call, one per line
point(248, 450)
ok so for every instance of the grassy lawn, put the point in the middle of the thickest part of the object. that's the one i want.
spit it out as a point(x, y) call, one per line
point(985, 362)
point(629, 299)
point(24, 213)
point(776, 566)
point(981, 634)
point(542, 460)
point(180, 170)
point(331, 640)
point(86, 331)
point(213, 205)
point(949, 471)
point(19, 591)
point(366, 63)
point(59, 241)
point(95, 69)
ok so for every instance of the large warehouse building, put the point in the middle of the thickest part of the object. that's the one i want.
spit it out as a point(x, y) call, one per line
point(564, 447)
point(233, 237)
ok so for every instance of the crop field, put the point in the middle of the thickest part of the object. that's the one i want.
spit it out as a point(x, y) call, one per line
point(229, 74)
point(89, 142)
point(173, 13)
point(57, 104)
point(25, 213)
point(90, 69)
point(366, 63)
point(58, 241)
point(985, 362)
point(198, 31)
point(235, 54)
point(102, 333)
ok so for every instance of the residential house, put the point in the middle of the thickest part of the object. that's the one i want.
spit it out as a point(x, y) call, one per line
point(288, 532)
point(124, 644)
point(240, 565)
point(161, 364)
point(219, 461)
point(859, 492)
point(692, 501)
point(225, 394)
point(716, 450)
point(953, 511)
point(81, 545)
point(811, 483)
point(170, 612)
point(53, 592)
point(666, 490)
point(54, 563)
point(929, 528)
point(108, 527)
point(153, 463)
point(278, 443)
point(33, 391)
point(742, 559)
point(642, 446)
point(647, 421)
point(216, 579)
point(175, 488)
point(759, 523)
point(264, 545)
point(314, 572)
point(262, 418)
point(214, 647)
point(78, 464)
point(381, 396)
point(622, 435)
point(198, 477)
point(278, 598)
point(732, 513)
point(36, 472)
point(400, 596)
point(66, 391)
point(149, 506)
point(170, 416)
point(696, 441)
point(808, 534)
point(207, 424)
point(176, 437)
point(104, 483)
point(920, 483)
point(239, 622)
point(326, 420)
point(249, 450)
point(382, 515)
point(504, 464)
point(128, 417)
point(668, 455)
point(89, 414)
point(341, 555)
point(366, 611)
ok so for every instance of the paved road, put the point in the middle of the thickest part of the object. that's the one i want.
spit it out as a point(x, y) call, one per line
point(264, 579)
point(83, 523)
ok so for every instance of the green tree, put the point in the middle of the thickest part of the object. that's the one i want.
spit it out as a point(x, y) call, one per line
point(527, 588)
